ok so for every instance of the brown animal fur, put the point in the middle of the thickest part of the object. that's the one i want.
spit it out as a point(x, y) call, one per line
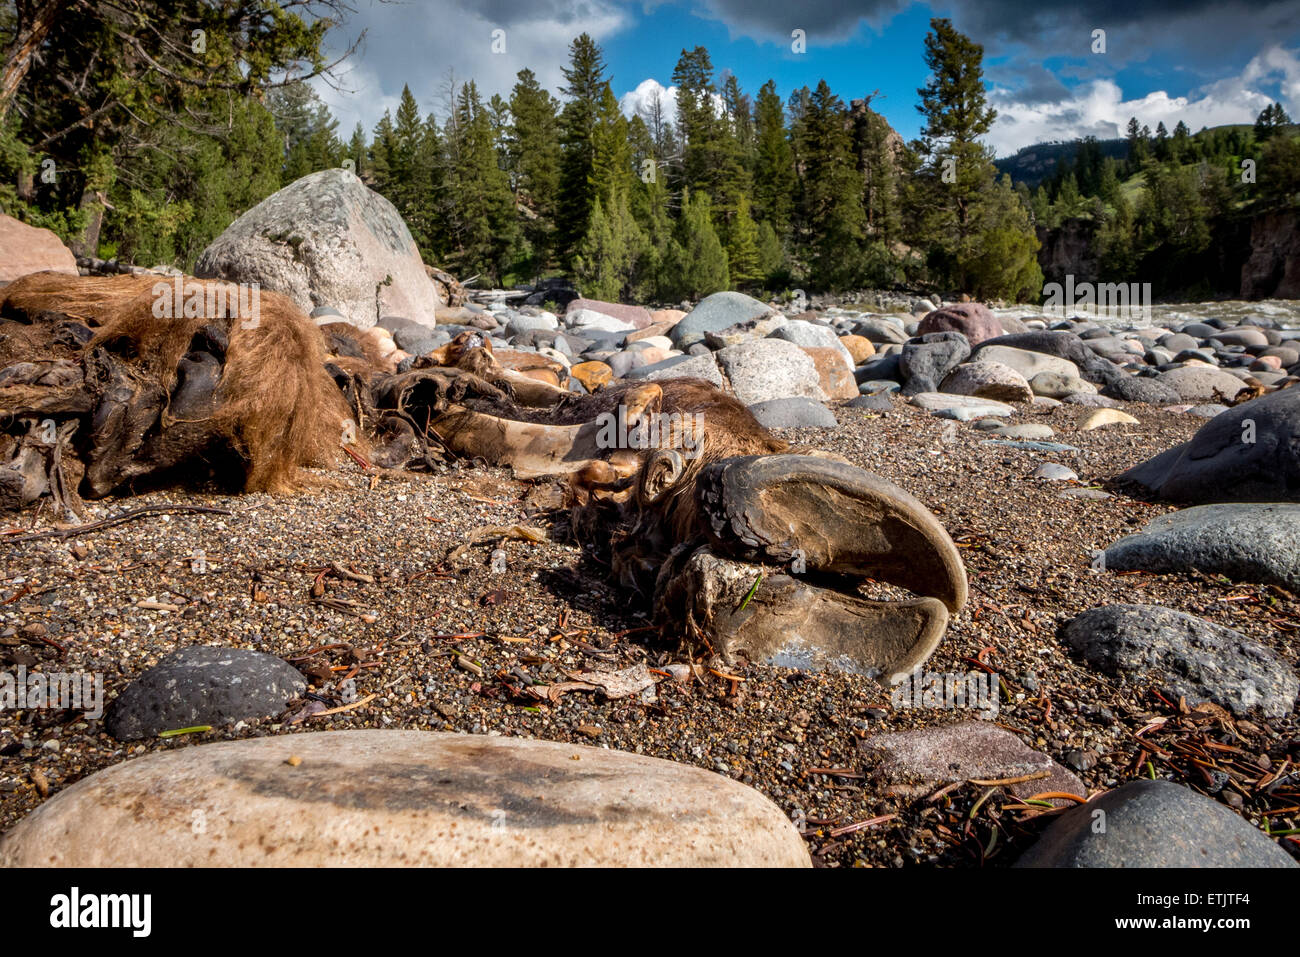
point(275, 405)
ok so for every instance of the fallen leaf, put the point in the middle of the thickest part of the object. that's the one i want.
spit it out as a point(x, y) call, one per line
point(618, 684)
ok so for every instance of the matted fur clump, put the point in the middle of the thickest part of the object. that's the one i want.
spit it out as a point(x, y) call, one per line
point(187, 375)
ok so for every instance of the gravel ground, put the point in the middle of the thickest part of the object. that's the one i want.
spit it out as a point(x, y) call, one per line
point(436, 633)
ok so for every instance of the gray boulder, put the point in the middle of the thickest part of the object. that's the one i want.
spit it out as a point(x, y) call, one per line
point(1193, 658)
point(326, 239)
point(1062, 345)
point(1153, 824)
point(1249, 453)
point(202, 685)
point(1246, 542)
point(794, 413)
point(803, 333)
point(681, 367)
point(880, 331)
point(988, 380)
point(1140, 389)
point(1202, 383)
point(926, 361)
point(715, 313)
point(765, 369)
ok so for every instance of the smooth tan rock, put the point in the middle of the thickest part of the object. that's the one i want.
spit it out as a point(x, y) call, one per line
point(26, 249)
point(652, 330)
point(592, 374)
point(860, 347)
point(1098, 418)
point(670, 317)
point(833, 372)
point(656, 354)
point(379, 798)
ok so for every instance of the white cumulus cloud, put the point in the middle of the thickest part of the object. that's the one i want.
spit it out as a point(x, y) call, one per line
point(1100, 109)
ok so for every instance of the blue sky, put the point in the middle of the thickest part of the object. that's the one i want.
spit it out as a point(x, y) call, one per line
point(1205, 63)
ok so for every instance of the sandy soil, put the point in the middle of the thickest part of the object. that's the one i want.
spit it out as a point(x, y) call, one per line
point(442, 640)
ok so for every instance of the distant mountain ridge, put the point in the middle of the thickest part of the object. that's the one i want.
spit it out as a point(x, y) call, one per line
point(1032, 164)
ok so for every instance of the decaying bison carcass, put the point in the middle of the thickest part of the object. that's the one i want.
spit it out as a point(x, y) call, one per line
point(736, 542)
point(739, 543)
point(136, 381)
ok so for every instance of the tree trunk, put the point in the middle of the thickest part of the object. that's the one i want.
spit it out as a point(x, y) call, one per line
point(88, 243)
point(35, 19)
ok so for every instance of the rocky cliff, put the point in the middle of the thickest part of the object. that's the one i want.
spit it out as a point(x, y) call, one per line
point(1273, 269)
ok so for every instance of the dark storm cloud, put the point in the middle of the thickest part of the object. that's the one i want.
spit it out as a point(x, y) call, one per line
point(1028, 84)
point(1135, 28)
point(820, 18)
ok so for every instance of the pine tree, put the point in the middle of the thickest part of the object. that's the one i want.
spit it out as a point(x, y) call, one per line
point(606, 259)
point(1162, 142)
point(695, 264)
point(878, 165)
point(962, 210)
point(356, 150)
point(1003, 261)
point(956, 116)
point(1271, 119)
point(1138, 150)
point(697, 124)
point(383, 145)
point(611, 166)
point(484, 225)
point(774, 176)
point(742, 247)
point(734, 180)
point(831, 193)
point(535, 160)
point(585, 89)
point(307, 128)
point(771, 257)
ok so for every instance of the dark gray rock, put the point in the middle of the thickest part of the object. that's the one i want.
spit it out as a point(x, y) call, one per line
point(1193, 658)
point(1140, 389)
point(925, 362)
point(1249, 453)
point(1153, 824)
point(880, 331)
point(203, 685)
point(872, 403)
point(1245, 542)
point(716, 312)
point(794, 413)
point(880, 367)
point(415, 339)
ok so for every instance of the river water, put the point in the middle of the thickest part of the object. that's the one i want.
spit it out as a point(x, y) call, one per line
point(1285, 312)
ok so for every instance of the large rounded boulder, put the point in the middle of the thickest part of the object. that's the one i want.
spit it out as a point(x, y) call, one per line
point(327, 240)
point(1251, 453)
point(972, 319)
